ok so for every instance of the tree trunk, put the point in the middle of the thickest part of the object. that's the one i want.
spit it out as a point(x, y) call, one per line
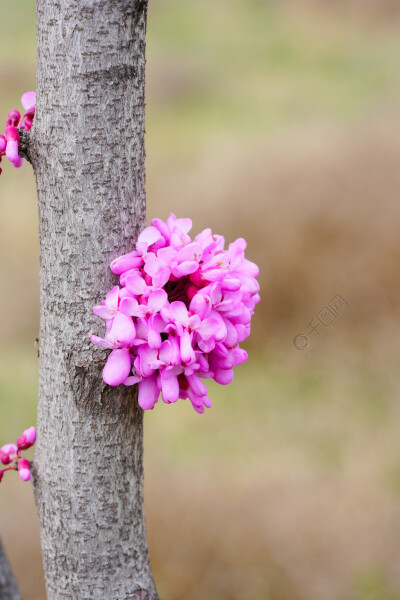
point(87, 149)
point(8, 586)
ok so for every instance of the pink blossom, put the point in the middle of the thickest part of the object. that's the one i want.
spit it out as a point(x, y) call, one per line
point(10, 454)
point(118, 367)
point(9, 143)
point(23, 469)
point(180, 311)
point(27, 439)
point(12, 139)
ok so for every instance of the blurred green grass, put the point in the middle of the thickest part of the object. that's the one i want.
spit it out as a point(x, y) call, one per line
point(256, 69)
point(288, 488)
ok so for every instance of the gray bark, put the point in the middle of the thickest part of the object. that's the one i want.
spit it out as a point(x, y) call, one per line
point(8, 586)
point(87, 150)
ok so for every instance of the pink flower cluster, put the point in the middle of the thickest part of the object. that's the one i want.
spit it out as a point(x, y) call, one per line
point(10, 454)
point(9, 143)
point(179, 313)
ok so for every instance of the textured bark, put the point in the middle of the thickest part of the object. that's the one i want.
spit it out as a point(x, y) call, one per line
point(87, 149)
point(8, 586)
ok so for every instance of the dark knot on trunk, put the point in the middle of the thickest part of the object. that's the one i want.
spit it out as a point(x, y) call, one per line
point(23, 148)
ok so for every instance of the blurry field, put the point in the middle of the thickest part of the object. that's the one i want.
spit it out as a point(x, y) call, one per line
point(279, 122)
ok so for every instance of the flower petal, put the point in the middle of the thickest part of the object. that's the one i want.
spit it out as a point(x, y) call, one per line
point(199, 305)
point(30, 435)
point(184, 224)
point(157, 300)
point(162, 228)
point(123, 330)
point(148, 392)
point(169, 385)
point(166, 255)
point(125, 262)
point(136, 284)
point(129, 306)
point(190, 252)
point(148, 361)
point(12, 151)
point(117, 367)
point(198, 387)
point(132, 380)
point(179, 312)
point(154, 337)
point(185, 268)
point(28, 100)
point(95, 339)
point(113, 297)
point(149, 236)
point(104, 312)
point(187, 352)
point(223, 376)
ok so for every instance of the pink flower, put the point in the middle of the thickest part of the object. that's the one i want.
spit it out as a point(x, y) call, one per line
point(27, 439)
point(180, 314)
point(10, 454)
point(118, 367)
point(28, 101)
point(23, 469)
point(9, 143)
point(12, 139)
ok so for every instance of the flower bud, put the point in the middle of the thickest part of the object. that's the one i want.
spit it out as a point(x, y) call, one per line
point(4, 457)
point(12, 137)
point(7, 453)
point(27, 439)
point(27, 123)
point(18, 162)
point(23, 469)
point(14, 117)
point(28, 101)
point(30, 435)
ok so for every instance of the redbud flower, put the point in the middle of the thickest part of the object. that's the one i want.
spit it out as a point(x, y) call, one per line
point(28, 101)
point(9, 144)
point(23, 469)
point(27, 439)
point(13, 139)
point(180, 312)
point(13, 118)
point(10, 454)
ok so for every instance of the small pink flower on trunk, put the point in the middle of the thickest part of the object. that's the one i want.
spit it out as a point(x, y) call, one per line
point(23, 469)
point(27, 439)
point(9, 143)
point(180, 312)
point(10, 454)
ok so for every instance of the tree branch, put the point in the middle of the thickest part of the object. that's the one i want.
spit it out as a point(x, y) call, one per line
point(8, 585)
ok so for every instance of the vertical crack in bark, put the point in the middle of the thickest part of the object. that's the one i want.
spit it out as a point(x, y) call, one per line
point(87, 148)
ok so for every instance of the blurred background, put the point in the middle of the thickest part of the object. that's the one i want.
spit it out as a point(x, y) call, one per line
point(277, 121)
